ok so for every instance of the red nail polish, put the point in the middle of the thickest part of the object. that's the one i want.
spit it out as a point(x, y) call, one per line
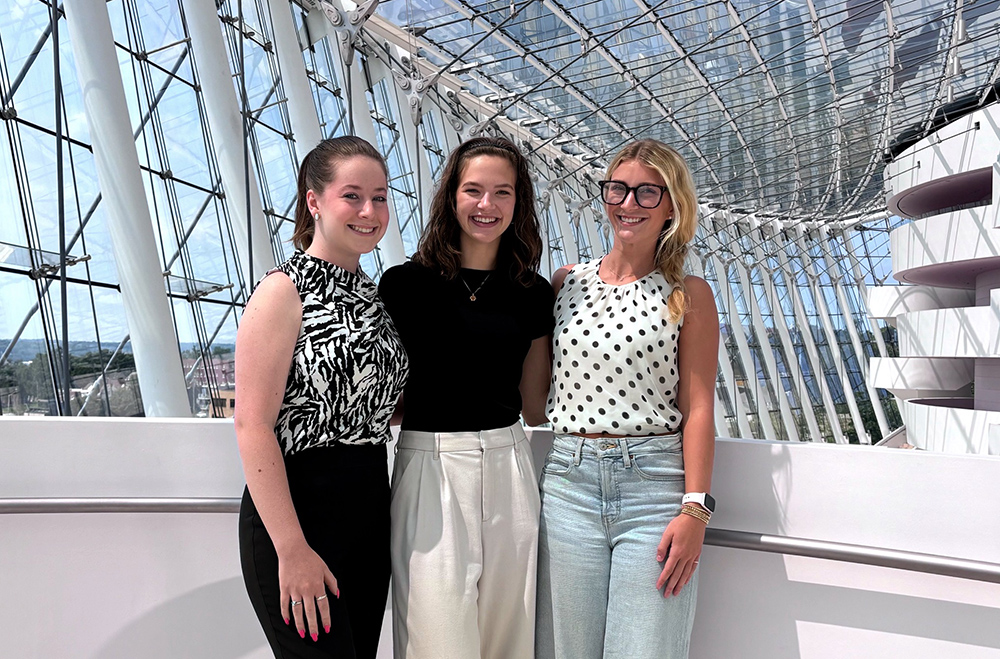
point(302, 633)
point(336, 593)
point(315, 636)
point(327, 629)
point(286, 621)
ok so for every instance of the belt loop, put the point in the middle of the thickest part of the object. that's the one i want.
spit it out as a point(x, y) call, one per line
point(513, 438)
point(437, 446)
point(625, 455)
point(578, 455)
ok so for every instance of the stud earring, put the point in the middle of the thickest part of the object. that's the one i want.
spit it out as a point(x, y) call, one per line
point(316, 217)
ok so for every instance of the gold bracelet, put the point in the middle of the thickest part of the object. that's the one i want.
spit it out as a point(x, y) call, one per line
point(686, 511)
point(696, 512)
point(696, 516)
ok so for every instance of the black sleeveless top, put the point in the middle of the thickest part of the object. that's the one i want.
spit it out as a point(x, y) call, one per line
point(466, 355)
point(349, 365)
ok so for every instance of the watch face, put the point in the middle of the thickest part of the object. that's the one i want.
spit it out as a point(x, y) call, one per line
point(710, 502)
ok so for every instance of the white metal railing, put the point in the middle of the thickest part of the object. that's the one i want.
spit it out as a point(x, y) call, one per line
point(891, 558)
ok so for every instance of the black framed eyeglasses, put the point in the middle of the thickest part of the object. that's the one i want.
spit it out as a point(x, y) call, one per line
point(647, 195)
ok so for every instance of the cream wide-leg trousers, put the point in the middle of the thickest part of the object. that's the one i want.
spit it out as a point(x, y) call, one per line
point(465, 511)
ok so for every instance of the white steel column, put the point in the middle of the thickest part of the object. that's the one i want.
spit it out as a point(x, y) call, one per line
point(590, 219)
point(809, 342)
point(452, 136)
point(543, 198)
point(300, 103)
point(749, 365)
point(831, 340)
point(545, 267)
point(391, 245)
point(226, 123)
point(568, 243)
point(767, 352)
point(802, 319)
point(859, 281)
point(791, 357)
point(147, 309)
point(413, 146)
point(852, 330)
point(812, 351)
point(721, 427)
point(736, 327)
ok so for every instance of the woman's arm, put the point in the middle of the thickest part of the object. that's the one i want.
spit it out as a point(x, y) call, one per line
point(560, 276)
point(397, 413)
point(265, 343)
point(535, 376)
point(698, 360)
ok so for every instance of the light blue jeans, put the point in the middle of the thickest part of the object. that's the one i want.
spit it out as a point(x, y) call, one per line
point(605, 505)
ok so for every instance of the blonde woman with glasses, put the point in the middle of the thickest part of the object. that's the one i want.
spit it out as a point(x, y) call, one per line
point(625, 488)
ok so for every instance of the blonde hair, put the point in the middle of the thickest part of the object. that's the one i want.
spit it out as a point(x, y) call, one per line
point(672, 245)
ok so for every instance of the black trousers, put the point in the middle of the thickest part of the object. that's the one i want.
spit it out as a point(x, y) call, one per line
point(341, 497)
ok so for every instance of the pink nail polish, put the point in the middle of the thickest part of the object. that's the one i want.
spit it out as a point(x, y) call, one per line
point(286, 621)
point(327, 629)
point(336, 593)
point(315, 636)
point(302, 633)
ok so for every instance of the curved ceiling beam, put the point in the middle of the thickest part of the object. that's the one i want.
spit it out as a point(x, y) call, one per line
point(734, 16)
point(570, 88)
point(379, 28)
point(885, 133)
point(695, 70)
point(838, 134)
point(639, 86)
point(542, 67)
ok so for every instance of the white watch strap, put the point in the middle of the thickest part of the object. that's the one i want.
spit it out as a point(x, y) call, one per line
point(694, 497)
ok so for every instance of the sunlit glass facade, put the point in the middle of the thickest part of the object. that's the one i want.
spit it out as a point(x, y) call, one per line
point(137, 215)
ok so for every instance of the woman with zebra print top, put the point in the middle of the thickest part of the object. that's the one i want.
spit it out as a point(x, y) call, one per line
point(319, 368)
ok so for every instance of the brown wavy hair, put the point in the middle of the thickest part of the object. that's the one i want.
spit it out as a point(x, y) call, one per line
point(520, 244)
point(318, 169)
point(672, 244)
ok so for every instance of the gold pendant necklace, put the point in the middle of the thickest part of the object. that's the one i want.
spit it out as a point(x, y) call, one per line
point(472, 293)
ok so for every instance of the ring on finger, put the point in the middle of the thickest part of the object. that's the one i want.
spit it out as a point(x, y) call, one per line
point(320, 598)
point(296, 602)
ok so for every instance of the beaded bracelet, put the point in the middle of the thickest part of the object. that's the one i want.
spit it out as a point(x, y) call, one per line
point(696, 512)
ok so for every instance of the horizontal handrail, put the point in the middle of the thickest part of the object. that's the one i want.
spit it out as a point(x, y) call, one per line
point(838, 551)
point(120, 505)
point(778, 544)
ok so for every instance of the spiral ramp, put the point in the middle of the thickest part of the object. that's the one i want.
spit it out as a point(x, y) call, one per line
point(947, 310)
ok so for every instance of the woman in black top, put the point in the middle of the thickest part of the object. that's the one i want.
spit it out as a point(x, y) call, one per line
point(475, 319)
point(319, 368)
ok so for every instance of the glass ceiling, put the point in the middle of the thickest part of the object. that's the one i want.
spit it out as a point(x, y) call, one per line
point(784, 108)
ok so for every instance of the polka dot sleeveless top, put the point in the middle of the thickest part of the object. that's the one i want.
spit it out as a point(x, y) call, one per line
point(615, 364)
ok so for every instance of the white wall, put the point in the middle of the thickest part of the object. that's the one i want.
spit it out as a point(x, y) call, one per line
point(767, 606)
point(158, 586)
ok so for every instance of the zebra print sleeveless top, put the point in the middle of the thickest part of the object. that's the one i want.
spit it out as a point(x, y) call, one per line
point(349, 365)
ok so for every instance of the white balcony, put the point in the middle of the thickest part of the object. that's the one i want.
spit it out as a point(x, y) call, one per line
point(888, 302)
point(922, 377)
point(152, 585)
point(964, 145)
